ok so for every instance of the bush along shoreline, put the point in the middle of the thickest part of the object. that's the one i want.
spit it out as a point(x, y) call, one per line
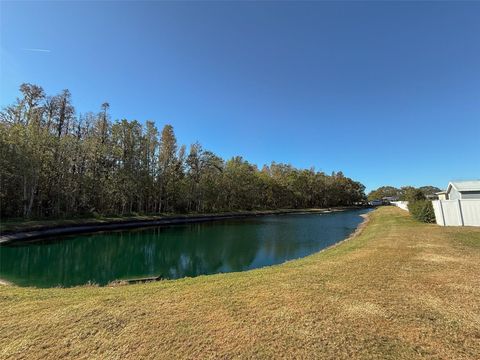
point(420, 208)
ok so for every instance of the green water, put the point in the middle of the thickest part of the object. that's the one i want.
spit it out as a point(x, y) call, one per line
point(174, 251)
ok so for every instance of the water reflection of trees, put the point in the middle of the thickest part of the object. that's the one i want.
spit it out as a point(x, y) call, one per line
point(172, 252)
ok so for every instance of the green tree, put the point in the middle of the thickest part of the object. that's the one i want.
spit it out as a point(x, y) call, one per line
point(54, 163)
point(384, 191)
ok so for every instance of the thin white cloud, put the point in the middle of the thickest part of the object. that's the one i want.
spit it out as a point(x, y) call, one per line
point(37, 50)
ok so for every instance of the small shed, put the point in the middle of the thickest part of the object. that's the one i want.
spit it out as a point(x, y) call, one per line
point(442, 195)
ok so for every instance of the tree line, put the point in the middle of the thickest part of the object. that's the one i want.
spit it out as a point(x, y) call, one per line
point(404, 193)
point(55, 163)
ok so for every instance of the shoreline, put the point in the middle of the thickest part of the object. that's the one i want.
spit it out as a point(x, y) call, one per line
point(356, 233)
point(92, 227)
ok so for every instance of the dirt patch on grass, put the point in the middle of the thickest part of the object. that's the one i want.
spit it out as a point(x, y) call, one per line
point(439, 258)
point(4, 282)
point(365, 309)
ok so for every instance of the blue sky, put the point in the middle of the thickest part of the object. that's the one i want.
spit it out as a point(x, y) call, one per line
point(388, 93)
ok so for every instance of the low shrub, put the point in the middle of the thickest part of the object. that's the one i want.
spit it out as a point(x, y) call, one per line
point(422, 210)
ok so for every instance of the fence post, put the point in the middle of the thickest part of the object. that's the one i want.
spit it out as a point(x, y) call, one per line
point(460, 212)
point(441, 210)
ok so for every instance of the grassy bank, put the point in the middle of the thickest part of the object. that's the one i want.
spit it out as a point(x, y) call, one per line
point(401, 289)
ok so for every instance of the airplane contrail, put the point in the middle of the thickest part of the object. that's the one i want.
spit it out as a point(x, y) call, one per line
point(37, 50)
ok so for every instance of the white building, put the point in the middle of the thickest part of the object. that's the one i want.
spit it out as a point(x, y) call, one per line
point(459, 205)
point(461, 190)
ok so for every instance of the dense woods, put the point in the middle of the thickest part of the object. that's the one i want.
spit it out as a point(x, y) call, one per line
point(55, 163)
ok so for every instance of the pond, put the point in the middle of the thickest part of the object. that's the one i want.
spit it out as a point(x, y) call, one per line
point(173, 251)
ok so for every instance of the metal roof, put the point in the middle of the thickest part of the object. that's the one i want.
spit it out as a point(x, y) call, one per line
point(471, 185)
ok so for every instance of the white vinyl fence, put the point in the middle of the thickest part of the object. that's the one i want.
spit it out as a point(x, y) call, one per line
point(401, 204)
point(465, 212)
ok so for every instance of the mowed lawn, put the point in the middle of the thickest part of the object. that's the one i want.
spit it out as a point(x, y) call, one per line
point(401, 289)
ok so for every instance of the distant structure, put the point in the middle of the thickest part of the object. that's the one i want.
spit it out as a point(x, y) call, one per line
point(461, 190)
point(388, 199)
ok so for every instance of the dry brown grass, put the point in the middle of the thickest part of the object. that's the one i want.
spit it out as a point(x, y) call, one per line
point(399, 290)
